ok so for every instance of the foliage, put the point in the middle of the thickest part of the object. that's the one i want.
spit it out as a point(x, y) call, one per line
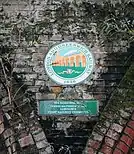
point(114, 21)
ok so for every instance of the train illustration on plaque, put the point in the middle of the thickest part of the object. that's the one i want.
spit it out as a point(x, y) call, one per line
point(69, 63)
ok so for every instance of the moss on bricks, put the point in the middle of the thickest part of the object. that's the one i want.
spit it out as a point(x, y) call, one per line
point(122, 98)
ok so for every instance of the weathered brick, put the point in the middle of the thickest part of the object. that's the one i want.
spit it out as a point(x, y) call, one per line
point(29, 83)
point(22, 56)
point(112, 134)
point(33, 89)
point(124, 114)
point(1, 127)
point(107, 123)
point(45, 96)
point(27, 140)
point(38, 69)
point(7, 133)
point(123, 147)
point(106, 150)
point(43, 77)
point(39, 136)
point(39, 83)
point(47, 150)
point(91, 151)
point(10, 141)
point(110, 142)
point(22, 70)
point(20, 63)
point(94, 144)
point(118, 128)
point(131, 124)
point(35, 129)
point(122, 121)
point(102, 130)
point(29, 77)
point(132, 116)
point(127, 140)
point(108, 114)
point(37, 57)
point(132, 146)
point(41, 144)
point(117, 151)
point(56, 37)
point(129, 132)
point(97, 137)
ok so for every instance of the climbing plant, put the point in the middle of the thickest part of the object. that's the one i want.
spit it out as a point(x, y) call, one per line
point(110, 21)
point(114, 21)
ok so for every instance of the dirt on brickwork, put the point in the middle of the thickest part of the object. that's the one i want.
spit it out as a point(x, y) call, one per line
point(28, 29)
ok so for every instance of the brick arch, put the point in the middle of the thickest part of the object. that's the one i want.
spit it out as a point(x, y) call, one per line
point(83, 61)
point(62, 62)
point(78, 60)
point(72, 61)
point(66, 61)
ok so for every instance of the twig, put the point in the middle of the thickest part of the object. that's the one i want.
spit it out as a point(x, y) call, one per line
point(8, 87)
point(3, 85)
point(18, 91)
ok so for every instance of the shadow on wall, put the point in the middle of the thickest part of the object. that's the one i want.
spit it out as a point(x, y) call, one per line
point(118, 63)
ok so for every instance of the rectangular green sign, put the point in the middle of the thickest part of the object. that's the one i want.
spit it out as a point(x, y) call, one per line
point(69, 107)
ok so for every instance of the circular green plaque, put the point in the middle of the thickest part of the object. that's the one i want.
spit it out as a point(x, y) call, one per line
point(69, 63)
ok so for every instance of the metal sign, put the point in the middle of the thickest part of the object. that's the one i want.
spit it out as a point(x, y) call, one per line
point(69, 63)
point(69, 107)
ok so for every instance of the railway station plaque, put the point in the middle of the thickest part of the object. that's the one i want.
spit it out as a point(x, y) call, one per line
point(69, 63)
point(69, 107)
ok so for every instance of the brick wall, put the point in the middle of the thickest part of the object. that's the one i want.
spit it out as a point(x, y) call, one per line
point(114, 132)
point(34, 26)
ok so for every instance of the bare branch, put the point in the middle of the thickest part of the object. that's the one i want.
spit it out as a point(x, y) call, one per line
point(7, 83)
point(18, 91)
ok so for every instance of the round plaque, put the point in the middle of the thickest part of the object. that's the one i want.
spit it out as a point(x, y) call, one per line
point(69, 63)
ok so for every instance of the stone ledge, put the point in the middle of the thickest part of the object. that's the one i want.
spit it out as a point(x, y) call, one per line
point(40, 96)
